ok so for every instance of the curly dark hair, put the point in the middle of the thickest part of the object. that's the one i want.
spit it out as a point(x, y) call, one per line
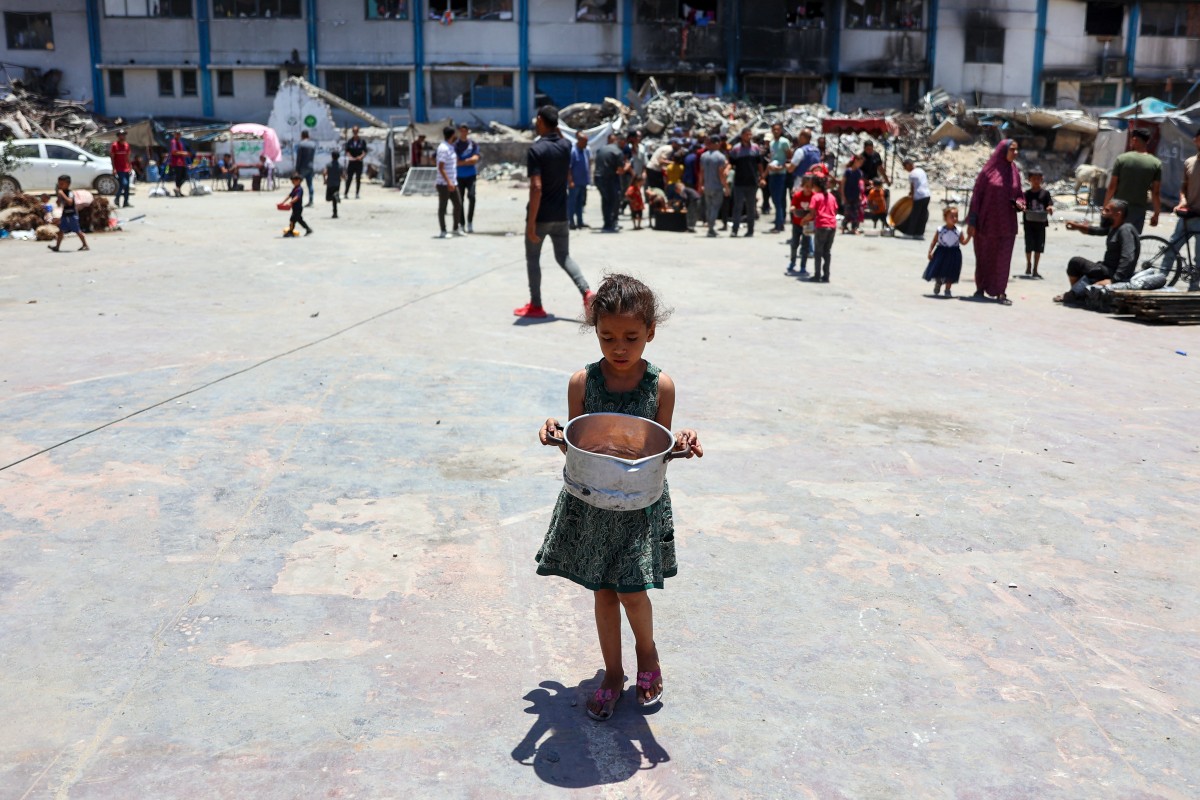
point(622, 294)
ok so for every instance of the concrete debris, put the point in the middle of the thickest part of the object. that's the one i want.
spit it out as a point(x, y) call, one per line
point(503, 171)
point(28, 115)
point(945, 137)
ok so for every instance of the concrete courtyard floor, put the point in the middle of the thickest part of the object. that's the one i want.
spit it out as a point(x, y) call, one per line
point(283, 544)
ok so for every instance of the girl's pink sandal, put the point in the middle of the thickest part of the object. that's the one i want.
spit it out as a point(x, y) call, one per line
point(607, 700)
point(646, 681)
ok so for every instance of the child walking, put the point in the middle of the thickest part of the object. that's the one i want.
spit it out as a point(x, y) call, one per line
point(296, 199)
point(333, 182)
point(851, 196)
point(69, 222)
point(822, 212)
point(945, 253)
point(1039, 205)
point(637, 204)
point(877, 204)
point(801, 233)
point(619, 554)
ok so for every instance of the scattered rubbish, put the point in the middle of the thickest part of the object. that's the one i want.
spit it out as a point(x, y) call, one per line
point(31, 302)
point(1180, 353)
point(317, 313)
point(1012, 586)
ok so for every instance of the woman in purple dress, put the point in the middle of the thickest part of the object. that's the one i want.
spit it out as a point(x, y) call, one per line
point(992, 221)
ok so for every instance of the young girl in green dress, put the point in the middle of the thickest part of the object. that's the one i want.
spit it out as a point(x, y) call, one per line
point(619, 554)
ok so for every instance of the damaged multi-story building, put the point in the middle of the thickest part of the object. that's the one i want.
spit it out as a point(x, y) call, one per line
point(480, 60)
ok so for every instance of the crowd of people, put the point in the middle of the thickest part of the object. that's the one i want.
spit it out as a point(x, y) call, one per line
point(709, 179)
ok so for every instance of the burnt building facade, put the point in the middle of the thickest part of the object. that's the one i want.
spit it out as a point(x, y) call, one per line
point(481, 60)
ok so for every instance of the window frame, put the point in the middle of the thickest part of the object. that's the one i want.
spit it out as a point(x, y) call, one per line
point(970, 57)
point(220, 76)
point(267, 73)
point(184, 89)
point(191, 9)
point(435, 7)
point(1103, 102)
point(793, 20)
point(891, 9)
point(609, 19)
point(1091, 9)
point(370, 79)
point(680, 14)
point(120, 74)
point(400, 16)
point(474, 77)
point(168, 74)
point(10, 37)
point(218, 6)
point(1180, 25)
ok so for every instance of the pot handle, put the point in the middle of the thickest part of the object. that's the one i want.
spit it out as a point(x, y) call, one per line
point(558, 440)
point(675, 454)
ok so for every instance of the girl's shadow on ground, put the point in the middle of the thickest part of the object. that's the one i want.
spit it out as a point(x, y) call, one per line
point(567, 748)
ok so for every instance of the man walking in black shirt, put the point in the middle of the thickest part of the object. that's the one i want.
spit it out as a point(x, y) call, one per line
point(356, 153)
point(548, 163)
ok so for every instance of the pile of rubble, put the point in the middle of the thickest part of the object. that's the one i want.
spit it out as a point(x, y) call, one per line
point(26, 212)
point(949, 140)
point(28, 115)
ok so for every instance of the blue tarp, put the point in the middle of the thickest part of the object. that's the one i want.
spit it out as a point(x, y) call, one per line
point(1146, 107)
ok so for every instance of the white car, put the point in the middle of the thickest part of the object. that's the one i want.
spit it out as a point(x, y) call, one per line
point(41, 161)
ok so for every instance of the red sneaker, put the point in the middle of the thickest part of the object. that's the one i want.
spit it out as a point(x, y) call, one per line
point(587, 299)
point(530, 310)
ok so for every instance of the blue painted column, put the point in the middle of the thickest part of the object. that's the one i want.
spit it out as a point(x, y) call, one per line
point(203, 35)
point(418, 93)
point(311, 12)
point(931, 29)
point(626, 47)
point(524, 110)
point(94, 50)
point(1036, 96)
point(1133, 28)
point(835, 54)
point(733, 46)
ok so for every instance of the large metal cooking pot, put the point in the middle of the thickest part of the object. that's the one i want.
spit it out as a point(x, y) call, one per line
point(616, 461)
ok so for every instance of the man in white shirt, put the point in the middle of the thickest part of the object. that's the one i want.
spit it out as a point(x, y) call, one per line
point(918, 190)
point(447, 182)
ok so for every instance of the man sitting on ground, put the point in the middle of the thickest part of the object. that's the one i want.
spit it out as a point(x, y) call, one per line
point(1120, 256)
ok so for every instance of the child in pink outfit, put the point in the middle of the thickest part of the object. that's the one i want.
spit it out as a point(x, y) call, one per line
point(822, 212)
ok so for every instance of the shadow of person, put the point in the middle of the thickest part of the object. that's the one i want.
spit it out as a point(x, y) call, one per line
point(567, 748)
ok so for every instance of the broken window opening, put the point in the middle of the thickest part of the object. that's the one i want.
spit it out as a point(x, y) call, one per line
point(27, 31)
point(472, 89)
point(1171, 19)
point(187, 82)
point(783, 91)
point(387, 9)
point(694, 12)
point(166, 83)
point(256, 9)
point(595, 10)
point(224, 83)
point(1104, 19)
point(885, 14)
point(806, 15)
point(471, 9)
point(181, 9)
point(116, 83)
point(984, 46)
point(370, 88)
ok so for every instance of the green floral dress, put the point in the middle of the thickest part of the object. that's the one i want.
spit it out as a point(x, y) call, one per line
point(628, 551)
